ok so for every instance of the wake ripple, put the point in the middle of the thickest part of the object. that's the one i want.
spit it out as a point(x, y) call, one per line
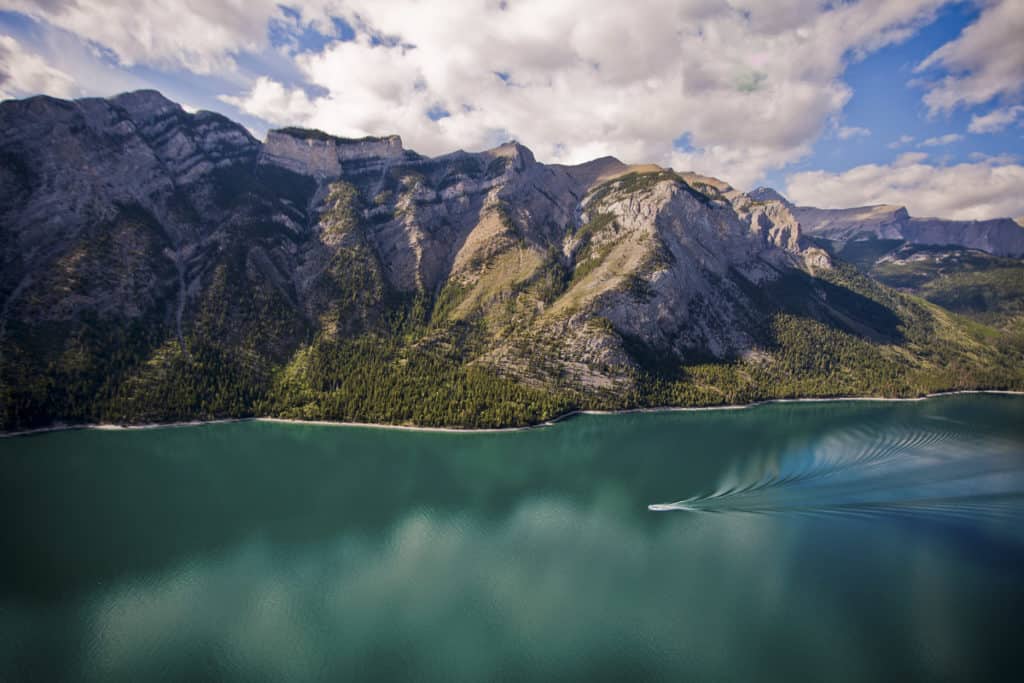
point(935, 469)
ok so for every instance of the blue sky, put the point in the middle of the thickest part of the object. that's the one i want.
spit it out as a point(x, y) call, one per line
point(919, 102)
point(886, 105)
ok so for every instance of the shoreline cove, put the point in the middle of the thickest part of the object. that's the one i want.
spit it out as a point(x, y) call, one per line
point(469, 430)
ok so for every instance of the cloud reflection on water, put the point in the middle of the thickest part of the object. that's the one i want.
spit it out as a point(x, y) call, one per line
point(552, 589)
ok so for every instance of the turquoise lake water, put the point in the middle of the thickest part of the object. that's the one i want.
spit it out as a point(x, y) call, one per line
point(813, 541)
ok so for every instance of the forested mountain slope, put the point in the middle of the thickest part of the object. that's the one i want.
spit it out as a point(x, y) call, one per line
point(160, 265)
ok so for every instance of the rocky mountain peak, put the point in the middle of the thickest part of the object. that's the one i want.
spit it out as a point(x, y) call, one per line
point(767, 194)
point(590, 172)
point(512, 149)
point(145, 104)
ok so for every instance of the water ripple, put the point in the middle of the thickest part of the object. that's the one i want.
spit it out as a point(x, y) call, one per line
point(946, 471)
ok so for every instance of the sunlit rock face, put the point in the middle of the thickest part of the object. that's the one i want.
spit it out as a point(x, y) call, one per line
point(314, 154)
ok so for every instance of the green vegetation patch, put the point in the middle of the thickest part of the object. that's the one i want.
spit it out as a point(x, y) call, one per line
point(634, 182)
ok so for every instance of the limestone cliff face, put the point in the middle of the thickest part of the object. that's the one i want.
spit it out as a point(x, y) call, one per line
point(189, 146)
point(322, 156)
point(1000, 236)
point(678, 264)
point(690, 302)
point(879, 222)
point(101, 200)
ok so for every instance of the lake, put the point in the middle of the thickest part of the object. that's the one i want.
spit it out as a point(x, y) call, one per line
point(801, 541)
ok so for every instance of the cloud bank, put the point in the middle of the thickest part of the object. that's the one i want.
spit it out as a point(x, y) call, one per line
point(986, 189)
point(23, 73)
point(733, 89)
point(750, 85)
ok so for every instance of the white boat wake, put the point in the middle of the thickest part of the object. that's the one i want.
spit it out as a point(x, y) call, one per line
point(905, 471)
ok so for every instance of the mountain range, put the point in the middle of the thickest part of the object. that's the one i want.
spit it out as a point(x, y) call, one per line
point(161, 265)
point(999, 236)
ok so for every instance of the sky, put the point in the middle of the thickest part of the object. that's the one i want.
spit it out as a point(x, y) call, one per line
point(835, 104)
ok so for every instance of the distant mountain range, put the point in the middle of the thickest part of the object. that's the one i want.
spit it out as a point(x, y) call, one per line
point(999, 236)
point(160, 265)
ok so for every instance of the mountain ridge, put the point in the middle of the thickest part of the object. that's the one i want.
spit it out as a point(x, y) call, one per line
point(161, 265)
point(998, 236)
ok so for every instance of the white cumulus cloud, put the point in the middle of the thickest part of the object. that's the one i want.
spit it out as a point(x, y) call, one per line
point(985, 189)
point(272, 102)
point(941, 140)
point(847, 132)
point(986, 60)
point(750, 85)
point(996, 120)
point(902, 141)
point(191, 34)
point(23, 73)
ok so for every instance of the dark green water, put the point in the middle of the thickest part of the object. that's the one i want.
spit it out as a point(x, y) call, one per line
point(825, 542)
